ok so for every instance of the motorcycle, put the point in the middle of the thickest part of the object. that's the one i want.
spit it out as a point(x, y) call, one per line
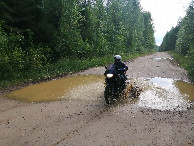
point(114, 83)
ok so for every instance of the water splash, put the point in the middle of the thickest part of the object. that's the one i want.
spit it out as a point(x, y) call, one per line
point(161, 94)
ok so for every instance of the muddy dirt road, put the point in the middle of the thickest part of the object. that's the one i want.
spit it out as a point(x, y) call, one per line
point(82, 118)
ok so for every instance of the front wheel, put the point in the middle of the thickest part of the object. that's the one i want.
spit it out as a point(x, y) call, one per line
point(108, 95)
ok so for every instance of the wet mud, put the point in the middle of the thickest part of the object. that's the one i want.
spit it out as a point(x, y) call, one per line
point(78, 115)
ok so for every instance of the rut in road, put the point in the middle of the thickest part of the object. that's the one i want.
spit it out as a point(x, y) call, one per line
point(88, 121)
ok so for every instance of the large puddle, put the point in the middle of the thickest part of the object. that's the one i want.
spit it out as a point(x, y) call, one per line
point(157, 93)
point(55, 89)
point(165, 94)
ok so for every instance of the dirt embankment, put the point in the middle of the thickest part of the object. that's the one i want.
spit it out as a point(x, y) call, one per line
point(84, 121)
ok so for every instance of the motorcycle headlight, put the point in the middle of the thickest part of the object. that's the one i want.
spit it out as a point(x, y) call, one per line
point(109, 75)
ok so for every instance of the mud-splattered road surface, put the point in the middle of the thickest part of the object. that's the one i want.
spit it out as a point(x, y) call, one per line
point(81, 117)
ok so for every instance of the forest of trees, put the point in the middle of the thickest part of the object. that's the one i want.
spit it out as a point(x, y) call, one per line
point(180, 39)
point(34, 33)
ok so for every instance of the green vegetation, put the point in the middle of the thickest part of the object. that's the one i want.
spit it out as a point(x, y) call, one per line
point(36, 36)
point(180, 41)
point(63, 67)
point(187, 62)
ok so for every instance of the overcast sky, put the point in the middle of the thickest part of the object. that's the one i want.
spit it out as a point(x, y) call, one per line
point(165, 14)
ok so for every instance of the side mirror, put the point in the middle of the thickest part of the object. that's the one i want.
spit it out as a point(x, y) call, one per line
point(106, 67)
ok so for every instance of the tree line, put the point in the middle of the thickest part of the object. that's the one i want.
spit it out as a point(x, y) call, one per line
point(180, 39)
point(37, 32)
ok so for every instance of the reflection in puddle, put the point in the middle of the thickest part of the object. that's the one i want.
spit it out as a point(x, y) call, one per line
point(157, 93)
point(53, 90)
point(165, 94)
point(157, 58)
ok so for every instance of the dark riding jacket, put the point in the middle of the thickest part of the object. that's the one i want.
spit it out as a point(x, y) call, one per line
point(120, 66)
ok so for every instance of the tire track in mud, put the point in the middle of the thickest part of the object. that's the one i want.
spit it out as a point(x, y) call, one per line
point(91, 96)
point(93, 118)
point(96, 116)
point(78, 121)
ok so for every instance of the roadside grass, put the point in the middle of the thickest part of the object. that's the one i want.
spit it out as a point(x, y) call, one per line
point(61, 68)
point(187, 62)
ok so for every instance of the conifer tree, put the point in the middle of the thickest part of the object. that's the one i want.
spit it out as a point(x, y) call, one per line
point(5, 15)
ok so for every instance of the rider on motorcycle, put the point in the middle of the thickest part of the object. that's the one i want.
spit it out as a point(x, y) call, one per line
point(120, 67)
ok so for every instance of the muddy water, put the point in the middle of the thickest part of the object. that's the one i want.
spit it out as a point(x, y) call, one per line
point(53, 90)
point(157, 93)
point(164, 94)
point(186, 89)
